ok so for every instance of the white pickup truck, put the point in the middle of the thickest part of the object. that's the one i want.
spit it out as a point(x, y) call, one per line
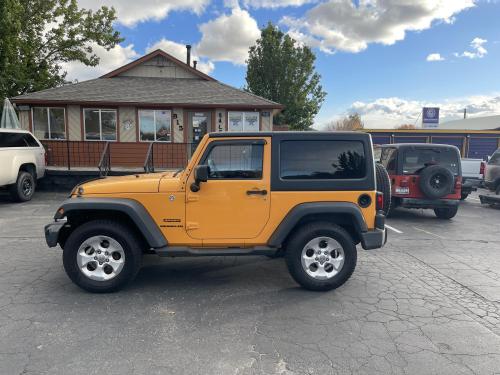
point(472, 175)
point(22, 162)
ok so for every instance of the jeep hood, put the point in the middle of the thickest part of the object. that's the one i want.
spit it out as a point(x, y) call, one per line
point(138, 183)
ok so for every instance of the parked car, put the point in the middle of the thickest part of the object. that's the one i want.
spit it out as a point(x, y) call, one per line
point(472, 175)
point(311, 195)
point(492, 173)
point(424, 176)
point(23, 162)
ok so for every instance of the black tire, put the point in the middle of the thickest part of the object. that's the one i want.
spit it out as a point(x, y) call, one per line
point(24, 188)
point(384, 186)
point(464, 196)
point(118, 232)
point(301, 238)
point(497, 190)
point(446, 213)
point(436, 181)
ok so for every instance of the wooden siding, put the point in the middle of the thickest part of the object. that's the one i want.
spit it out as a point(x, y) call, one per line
point(178, 125)
point(73, 125)
point(24, 119)
point(128, 131)
point(158, 67)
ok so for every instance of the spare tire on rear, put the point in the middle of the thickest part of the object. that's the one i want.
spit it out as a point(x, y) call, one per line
point(384, 186)
point(436, 181)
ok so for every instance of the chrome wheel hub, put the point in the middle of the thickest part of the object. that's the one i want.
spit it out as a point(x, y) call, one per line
point(322, 258)
point(100, 258)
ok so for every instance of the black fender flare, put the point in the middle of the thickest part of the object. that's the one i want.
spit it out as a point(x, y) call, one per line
point(131, 208)
point(304, 209)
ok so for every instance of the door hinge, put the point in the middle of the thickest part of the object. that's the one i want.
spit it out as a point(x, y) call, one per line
point(192, 225)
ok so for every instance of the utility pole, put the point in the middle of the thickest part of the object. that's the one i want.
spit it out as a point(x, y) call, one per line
point(465, 113)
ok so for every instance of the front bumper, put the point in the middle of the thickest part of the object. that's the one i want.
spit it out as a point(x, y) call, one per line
point(428, 203)
point(52, 233)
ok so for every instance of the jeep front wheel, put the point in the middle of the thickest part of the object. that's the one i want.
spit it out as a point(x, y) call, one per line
point(321, 256)
point(102, 256)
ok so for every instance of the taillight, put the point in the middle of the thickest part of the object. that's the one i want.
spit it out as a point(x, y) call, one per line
point(380, 200)
point(458, 183)
point(482, 168)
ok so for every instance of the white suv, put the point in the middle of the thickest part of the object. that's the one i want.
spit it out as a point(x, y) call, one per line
point(22, 162)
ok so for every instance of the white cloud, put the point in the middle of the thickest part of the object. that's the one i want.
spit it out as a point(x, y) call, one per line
point(276, 3)
point(343, 25)
point(228, 37)
point(131, 12)
point(435, 57)
point(178, 50)
point(478, 50)
point(391, 112)
point(109, 60)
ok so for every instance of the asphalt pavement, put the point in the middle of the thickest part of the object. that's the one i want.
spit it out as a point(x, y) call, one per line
point(427, 303)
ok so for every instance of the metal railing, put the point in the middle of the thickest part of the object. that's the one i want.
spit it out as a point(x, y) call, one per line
point(102, 156)
point(149, 165)
point(105, 161)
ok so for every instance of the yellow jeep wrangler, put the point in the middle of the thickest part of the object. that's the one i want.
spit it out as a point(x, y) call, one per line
point(309, 196)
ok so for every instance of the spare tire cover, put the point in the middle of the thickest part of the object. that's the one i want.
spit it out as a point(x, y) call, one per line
point(384, 185)
point(436, 181)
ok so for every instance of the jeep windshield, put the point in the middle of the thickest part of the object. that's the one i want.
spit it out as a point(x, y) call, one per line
point(414, 160)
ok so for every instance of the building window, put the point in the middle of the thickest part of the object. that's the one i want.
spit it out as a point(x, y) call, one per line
point(243, 121)
point(48, 123)
point(100, 124)
point(155, 125)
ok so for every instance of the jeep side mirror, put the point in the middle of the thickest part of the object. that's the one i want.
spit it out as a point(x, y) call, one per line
point(200, 175)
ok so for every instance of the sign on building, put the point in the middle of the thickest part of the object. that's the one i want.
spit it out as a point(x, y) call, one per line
point(430, 117)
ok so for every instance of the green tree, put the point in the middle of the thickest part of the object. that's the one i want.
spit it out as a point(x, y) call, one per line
point(281, 70)
point(37, 36)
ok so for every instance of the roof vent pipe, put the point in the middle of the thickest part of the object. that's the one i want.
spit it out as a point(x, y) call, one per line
point(195, 63)
point(188, 54)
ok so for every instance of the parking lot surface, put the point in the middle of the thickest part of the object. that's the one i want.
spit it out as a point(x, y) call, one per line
point(427, 303)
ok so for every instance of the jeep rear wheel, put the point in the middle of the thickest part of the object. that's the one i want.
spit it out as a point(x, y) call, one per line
point(321, 256)
point(446, 213)
point(102, 256)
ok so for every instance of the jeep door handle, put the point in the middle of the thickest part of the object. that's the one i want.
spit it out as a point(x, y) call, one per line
point(256, 192)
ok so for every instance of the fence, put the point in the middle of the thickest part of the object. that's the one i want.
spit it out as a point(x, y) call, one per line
point(79, 154)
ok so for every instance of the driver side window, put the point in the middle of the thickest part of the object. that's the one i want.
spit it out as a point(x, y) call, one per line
point(235, 161)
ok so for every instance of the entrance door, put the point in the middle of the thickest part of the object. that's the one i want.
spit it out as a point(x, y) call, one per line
point(199, 123)
point(234, 202)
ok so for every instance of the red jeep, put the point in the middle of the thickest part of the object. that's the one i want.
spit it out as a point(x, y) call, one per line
point(424, 176)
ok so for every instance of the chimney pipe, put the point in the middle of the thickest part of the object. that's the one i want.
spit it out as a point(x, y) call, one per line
point(188, 57)
point(195, 63)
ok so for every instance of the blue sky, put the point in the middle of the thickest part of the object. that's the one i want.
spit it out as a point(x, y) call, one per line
point(372, 54)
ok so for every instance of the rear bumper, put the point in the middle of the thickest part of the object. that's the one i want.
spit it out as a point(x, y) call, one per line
point(428, 203)
point(376, 238)
point(471, 184)
point(52, 233)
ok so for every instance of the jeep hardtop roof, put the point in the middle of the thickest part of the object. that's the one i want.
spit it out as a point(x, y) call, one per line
point(294, 134)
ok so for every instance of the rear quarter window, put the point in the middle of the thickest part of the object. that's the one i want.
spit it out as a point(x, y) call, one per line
point(13, 139)
point(322, 160)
